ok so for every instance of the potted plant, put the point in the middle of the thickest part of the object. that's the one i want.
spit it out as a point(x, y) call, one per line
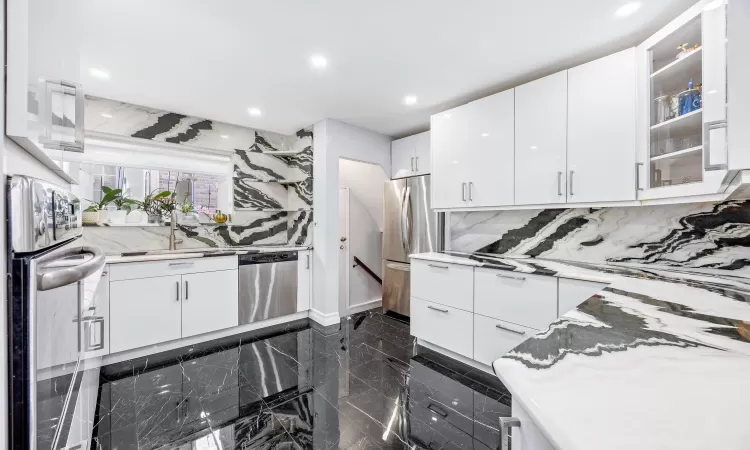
point(151, 204)
point(187, 212)
point(167, 204)
point(124, 205)
point(97, 212)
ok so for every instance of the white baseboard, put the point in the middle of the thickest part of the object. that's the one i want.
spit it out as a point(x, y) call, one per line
point(354, 309)
point(324, 319)
point(456, 356)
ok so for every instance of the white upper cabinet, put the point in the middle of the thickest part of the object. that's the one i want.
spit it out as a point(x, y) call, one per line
point(410, 156)
point(402, 157)
point(601, 130)
point(541, 140)
point(44, 104)
point(682, 104)
point(738, 68)
point(472, 154)
point(422, 153)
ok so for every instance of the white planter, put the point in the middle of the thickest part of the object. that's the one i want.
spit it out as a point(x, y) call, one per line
point(90, 217)
point(103, 216)
point(117, 217)
point(136, 216)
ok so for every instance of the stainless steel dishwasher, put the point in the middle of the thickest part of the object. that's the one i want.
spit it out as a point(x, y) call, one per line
point(268, 286)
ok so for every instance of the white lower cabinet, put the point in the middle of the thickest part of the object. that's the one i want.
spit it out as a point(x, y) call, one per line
point(527, 300)
point(304, 280)
point(209, 302)
point(447, 327)
point(572, 293)
point(448, 284)
point(493, 338)
point(144, 311)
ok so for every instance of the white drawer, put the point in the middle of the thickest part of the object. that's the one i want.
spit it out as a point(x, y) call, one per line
point(442, 325)
point(149, 269)
point(447, 284)
point(493, 338)
point(528, 300)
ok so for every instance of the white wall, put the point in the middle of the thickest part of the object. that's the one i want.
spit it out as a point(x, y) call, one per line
point(365, 242)
point(334, 140)
point(365, 181)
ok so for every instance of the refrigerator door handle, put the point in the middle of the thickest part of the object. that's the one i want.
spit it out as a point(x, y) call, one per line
point(406, 220)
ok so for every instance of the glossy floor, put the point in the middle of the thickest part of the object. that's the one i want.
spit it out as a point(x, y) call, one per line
point(356, 386)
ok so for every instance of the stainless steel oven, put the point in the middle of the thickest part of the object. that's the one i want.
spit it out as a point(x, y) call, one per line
point(55, 327)
point(268, 285)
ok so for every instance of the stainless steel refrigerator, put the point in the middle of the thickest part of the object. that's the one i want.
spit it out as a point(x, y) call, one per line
point(409, 226)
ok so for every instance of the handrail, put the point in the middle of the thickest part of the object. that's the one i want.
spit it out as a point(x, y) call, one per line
point(358, 262)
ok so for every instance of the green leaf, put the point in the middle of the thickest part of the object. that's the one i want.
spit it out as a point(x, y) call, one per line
point(162, 194)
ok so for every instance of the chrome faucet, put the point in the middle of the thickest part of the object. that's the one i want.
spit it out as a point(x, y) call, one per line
point(172, 226)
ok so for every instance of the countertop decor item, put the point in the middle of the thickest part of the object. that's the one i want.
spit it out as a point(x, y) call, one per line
point(220, 217)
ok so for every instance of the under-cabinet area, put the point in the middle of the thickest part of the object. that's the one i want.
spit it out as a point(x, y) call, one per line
point(479, 314)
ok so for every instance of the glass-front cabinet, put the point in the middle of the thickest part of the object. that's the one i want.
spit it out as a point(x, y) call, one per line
point(682, 123)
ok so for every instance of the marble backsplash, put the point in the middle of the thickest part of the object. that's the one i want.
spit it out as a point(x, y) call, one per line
point(272, 194)
point(694, 235)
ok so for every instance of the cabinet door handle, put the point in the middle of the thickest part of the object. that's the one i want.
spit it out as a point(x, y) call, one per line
point(559, 184)
point(471, 195)
point(500, 327)
point(438, 309)
point(186, 290)
point(499, 275)
point(463, 192)
point(570, 191)
point(182, 263)
point(307, 262)
point(411, 163)
point(707, 127)
point(505, 424)
point(638, 176)
point(436, 266)
point(416, 164)
point(177, 285)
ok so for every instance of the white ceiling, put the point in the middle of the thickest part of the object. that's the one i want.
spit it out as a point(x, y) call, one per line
point(215, 59)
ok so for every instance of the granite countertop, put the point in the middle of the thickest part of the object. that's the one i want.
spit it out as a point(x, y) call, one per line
point(660, 358)
point(159, 255)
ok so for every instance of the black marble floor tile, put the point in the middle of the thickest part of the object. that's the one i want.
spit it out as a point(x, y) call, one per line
point(358, 385)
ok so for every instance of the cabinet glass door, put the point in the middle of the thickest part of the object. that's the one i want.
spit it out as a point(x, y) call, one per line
point(688, 100)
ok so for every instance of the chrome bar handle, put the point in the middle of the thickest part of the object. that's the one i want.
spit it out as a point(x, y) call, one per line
point(416, 164)
point(505, 424)
point(559, 184)
point(181, 263)
point(436, 266)
point(186, 290)
point(499, 275)
point(69, 275)
point(463, 192)
point(437, 309)
point(500, 327)
point(638, 176)
point(707, 127)
point(471, 195)
point(307, 262)
point(177, 290)
point(411, 163)
point(570, 191)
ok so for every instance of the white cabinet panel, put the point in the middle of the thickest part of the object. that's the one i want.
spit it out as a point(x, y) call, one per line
point(489, 144)
point(601, 129)
point(572, 293)
point(56, 310)
point(442, 325)
point(304, 280)
point(451, 158)
point(402, 157)
point(129, 271)
point(541, 140)
point(144, 312)
point(97, 331)
point(493, 338)
point(447, 284)
point(528, 300)
point(209, 302)
point(422, 153)
point(738, 68)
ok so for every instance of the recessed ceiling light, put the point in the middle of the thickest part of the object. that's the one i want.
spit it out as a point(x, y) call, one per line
point(99, 73)
point(628, 9)
point(318, 61)
point(533, 147)
point(410, 100)
point(485, 134)
point(224, 136)
point(255, 112)
point(108, 116)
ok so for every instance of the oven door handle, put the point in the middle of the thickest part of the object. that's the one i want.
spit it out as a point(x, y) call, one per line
point(69, 275)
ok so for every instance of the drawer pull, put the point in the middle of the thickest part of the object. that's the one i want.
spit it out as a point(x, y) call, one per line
point(184, 263)
point(505, 424)
point(438, 309)
point(436, 266)
point(510, 329)
point(510, 277)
